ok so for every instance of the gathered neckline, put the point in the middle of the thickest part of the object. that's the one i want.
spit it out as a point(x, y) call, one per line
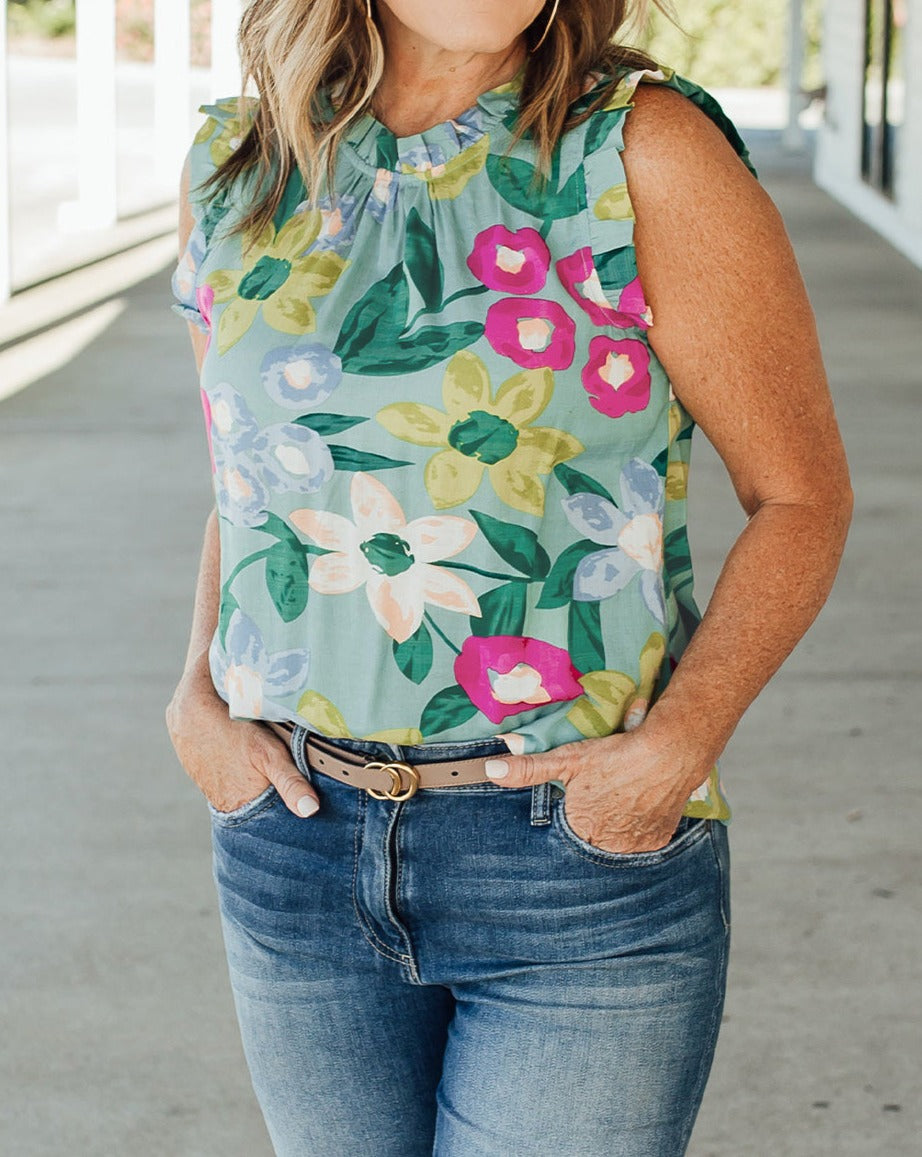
point(374, 144)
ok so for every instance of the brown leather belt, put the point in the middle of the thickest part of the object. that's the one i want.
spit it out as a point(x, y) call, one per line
point(391, 780)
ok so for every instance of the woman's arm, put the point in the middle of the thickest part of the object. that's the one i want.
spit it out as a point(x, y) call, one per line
point(735, 332)
point(230, 761)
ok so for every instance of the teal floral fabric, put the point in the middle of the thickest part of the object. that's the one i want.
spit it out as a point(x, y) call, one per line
point(450, 471)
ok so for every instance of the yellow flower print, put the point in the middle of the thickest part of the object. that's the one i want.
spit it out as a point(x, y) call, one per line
point(484, 433)
point(233, 129)
point(277, 278)
point(326, 718)
point(448, 180)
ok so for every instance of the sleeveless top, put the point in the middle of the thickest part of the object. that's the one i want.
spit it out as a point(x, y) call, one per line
point(449, 468)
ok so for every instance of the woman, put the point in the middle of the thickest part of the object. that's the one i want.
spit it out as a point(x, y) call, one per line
point(442, 692)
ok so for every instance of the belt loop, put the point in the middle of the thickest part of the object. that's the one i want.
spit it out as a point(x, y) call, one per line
point(540, 804)
point(299, 750)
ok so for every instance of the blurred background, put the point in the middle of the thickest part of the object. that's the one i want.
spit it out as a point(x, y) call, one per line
point(117, 1032)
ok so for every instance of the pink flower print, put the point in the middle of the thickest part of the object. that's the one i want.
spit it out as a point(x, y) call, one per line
point(632, 303)
point(392, 558)
point(580, 278)
point(533, 332)
point(206, 410)
point(204, 299)
point(510, 262)
point(617, 376)
point(507, 674)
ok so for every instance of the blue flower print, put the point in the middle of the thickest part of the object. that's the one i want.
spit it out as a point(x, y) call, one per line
point(246, 674)
point(339, 222)
point(241, 495)
point(295, 459)
point(468, 126)
point(632, 537)
point(302, 375)
point(423, 159)
point(185, 278)
point(250, 463)
point(383, 195)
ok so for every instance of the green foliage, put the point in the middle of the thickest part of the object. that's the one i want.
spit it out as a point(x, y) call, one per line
point(43, 18)
point(732, 43)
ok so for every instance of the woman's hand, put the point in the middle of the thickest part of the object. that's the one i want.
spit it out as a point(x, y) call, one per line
point(625, 793)
point(230, 761)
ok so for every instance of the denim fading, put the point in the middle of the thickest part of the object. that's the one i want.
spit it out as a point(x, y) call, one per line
point(461, 975)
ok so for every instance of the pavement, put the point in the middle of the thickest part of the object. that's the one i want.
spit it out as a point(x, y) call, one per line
point(118, 1030)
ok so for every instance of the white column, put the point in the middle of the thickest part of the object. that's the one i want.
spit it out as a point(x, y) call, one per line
point(793, 137)
point(171, 87)
point(96, 206)
point(5, 244)
point(225, 60)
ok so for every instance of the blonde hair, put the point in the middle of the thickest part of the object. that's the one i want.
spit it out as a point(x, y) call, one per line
point(296, 52)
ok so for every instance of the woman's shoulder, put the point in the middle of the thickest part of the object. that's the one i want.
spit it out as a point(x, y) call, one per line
point(226, 123)
point(661, 103)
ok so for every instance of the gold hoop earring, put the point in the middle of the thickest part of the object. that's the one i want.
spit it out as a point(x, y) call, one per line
point(547, 29)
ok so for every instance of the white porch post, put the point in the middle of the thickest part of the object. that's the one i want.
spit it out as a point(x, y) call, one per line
point(225, 60)
point(172, 71)
point(5, 243)
point(793, 136)
point(95, 207)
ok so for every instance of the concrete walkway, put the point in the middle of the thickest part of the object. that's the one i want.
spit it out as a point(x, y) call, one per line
point(118, 1033)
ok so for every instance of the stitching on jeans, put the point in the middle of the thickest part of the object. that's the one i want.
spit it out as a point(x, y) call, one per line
point(704, 1064)
point(367, 932)
point(411, 959)
point(687, 840)
point(241, 815)
point(390, 833)
point(724, 914)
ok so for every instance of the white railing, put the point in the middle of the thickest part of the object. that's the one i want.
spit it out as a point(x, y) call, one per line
point(96, 206)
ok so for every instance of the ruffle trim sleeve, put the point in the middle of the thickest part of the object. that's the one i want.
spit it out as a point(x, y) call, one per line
point(608, 274)
point(220, 134)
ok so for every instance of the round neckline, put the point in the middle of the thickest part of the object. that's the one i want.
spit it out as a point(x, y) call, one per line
point(378, 147)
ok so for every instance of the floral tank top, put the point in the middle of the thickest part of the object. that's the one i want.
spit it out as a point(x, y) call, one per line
point(450, 472)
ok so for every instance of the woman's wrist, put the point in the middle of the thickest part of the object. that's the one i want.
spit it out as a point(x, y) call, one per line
point(681, 742)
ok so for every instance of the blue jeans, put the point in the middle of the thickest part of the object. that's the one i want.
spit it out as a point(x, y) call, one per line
point(461, 975)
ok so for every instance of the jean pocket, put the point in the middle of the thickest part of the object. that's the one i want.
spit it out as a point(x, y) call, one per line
point(689, 832)
point(247, 811)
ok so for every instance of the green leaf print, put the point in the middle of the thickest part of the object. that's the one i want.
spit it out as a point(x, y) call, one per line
point(502, 611)
point(516, 545)
point(422, 260)
point(378, 322)
point(327, 424)
point(345, 458)
point(677, 557)
point(375, 321)
point(661, 461)
point(279, 529)
point(558, 587)
point(584, 636)
point(616, 268)
point(514, 180)
point(414, 655)
point(575, 482)
point(446, 709)
point(286, 579)
point(228, 605)
point(600, 126)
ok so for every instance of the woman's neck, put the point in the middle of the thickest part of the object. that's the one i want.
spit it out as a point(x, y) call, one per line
point(424, 84)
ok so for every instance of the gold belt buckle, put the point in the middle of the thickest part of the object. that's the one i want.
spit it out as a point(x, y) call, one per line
point(396, 791)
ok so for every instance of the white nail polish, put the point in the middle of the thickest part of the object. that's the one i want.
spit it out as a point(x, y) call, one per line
point(307, 805)
point(496, 768)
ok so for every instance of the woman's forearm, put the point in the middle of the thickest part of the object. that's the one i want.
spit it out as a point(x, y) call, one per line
point(207, 598)
point(771, 587)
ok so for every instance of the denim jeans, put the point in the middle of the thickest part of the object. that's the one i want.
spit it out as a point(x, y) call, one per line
point(461, 975)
